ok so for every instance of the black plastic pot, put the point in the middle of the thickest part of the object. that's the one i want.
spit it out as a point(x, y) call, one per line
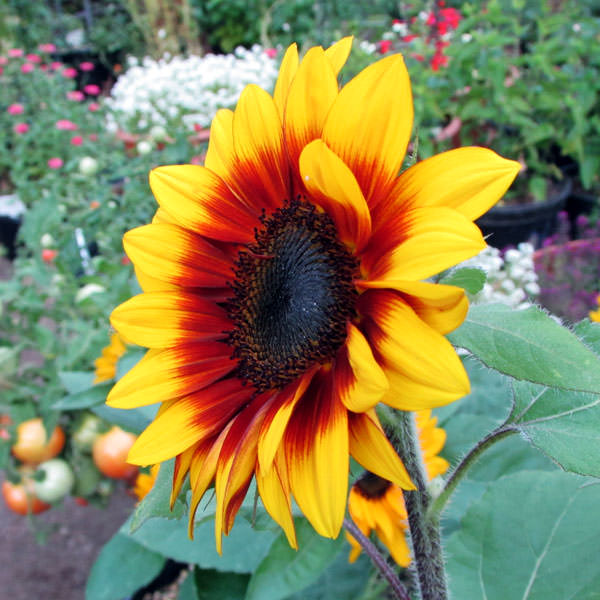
point(11, 214)
point(511, 225)
point(578, 204)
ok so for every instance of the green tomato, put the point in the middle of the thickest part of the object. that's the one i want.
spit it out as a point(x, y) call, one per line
point(87, 432)
point(55, 481)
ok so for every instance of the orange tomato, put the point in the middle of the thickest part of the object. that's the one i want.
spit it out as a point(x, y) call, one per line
point(33, 446)
point(19, 498)
point(110, 453)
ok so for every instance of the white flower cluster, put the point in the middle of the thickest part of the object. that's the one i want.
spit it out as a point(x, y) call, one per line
point(175, 92)
point(511, 279)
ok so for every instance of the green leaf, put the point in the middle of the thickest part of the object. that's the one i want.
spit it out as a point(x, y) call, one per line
point(85, 399)
point(134, 420)
point(564, 425)
point(532, 535)
point(243, 549)
point(470, 279)
point(211, 584)
point(524, 343)
point(76, 381)
point(121, 568)
point(156, 502)
point(285, 571)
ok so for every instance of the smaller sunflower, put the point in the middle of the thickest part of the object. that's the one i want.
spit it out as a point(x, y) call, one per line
point(595, 314)
point(376, 504)
point(106, 364)
point(144, 482)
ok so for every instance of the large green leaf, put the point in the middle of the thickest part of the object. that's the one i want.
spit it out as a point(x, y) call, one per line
point(470, 279)
point(76, 381)
point(529, 345)
point(243, 549)
point(208, 584)
point(121, 568)
point(532, 536)
point(563, 424)
point(84, 399)
point(156, 502)
point(134, 420)
point(285, 571)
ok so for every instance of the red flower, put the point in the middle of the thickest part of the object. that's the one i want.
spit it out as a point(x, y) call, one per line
point(410, 37)
point(385, 46)
point(49, 255)
point(451, 16)
point(438, 60)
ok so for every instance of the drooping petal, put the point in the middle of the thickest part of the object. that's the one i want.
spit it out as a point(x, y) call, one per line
point(277, 418)
point(423, 369)
point(178, 256)
point(274, 489)
point(443, 307)
point(331, 185)
point(188, 420)
point(311, 94)
point(359, 381)
point(287, 71)
point(220, 155)
point(421, 243)
point(372, 141)
point(370, 448)
point(261, 168)
point(338, 53)
point(166, 319)
point(470, 180)
point(201, 201)
point(316, 448)
point(180, 470)
point(172, 373)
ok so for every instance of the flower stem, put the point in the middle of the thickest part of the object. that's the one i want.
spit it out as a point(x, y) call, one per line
point(437, 505)
point(424, 531)
point(378, 560)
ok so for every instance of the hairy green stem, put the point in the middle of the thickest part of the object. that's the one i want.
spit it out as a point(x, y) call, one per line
point(424, 531)
point(437, 505)
point(378, 560)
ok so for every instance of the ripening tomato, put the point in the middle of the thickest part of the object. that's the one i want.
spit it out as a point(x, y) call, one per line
point(33, 445)
point(110, 453)
point(19, 497)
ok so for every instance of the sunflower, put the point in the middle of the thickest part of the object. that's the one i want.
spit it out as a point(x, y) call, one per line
point(283, 294)
point(106, 364)
point(376, 504)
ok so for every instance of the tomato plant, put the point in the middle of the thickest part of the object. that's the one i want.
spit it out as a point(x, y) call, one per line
point(56, 480)
point(33, 445)
point(110, 453)
point(20, 498)
point(87, 431)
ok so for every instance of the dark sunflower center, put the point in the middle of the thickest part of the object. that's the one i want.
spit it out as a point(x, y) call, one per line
point(372, 486)
point(293, 294)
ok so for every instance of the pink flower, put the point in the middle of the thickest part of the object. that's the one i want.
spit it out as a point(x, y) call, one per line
point(33, 58)
point(15, 109)
point(86, 66)
point(55, 163)
point(47, 48)
point(93, 106)
point(271, 52)
point(76, 95)
point(27, 67)
point(93, 137)
point(410, 37)
point(385, 46)
point(56, 65)
point(69, 72)
point(21, 128)
point(43, 68)
point(92, 89)
point(418, 57)
point(1, 70)
point(66, 125)
point(3, 60)
point(15, 52)
point(76, 140)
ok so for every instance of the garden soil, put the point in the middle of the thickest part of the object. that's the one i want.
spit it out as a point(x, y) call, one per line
point(58, 569)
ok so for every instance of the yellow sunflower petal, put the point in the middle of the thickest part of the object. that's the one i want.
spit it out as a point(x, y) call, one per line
point(359, 381)
point(372, 141)
point(287, 71)
point(310, 97)
point(470, 180)
point(258, 141)
point(421, 243)
point(220, 156)
point(171, 373)
point(200, 201)
point(370, 448)
point(332, 186)
point(316, 448)
point(338, 53)
point(423, 369)
point(166, 319)
point(181, 469)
